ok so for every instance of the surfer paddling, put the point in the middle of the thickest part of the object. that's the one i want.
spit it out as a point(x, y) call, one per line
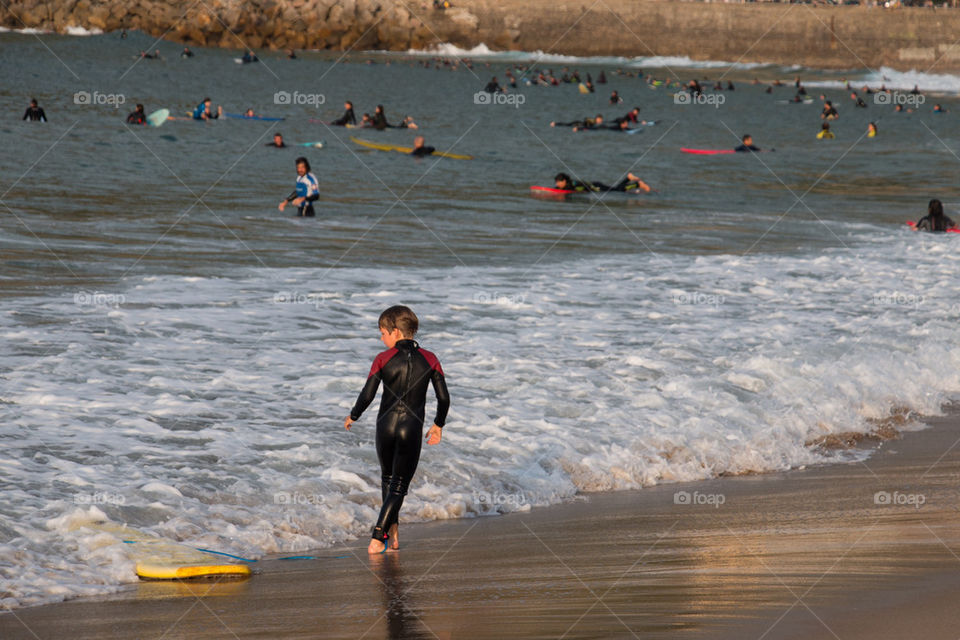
point(630, 183)
point(406, 371)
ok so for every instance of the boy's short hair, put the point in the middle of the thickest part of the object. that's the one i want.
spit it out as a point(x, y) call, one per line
point(400, 317)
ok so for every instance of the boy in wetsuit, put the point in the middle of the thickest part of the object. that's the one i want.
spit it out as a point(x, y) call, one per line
point(406, 371)
point(307, 191)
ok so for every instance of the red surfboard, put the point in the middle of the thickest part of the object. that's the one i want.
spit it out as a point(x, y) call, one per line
point(551, 191)
point(913, 225)
point(706, 152)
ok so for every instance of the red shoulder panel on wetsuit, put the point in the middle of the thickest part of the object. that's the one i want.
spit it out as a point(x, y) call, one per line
point(382, 358)
point(432, 360)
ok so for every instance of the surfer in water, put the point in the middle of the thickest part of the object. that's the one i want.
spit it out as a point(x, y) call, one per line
point(306, 192)
point(406, 371)
point(34, 112)
point(277, 143)
point(348, 116)
point(204, 111)
point(747, 144)
point(825, 133)
point(935, 220)
point(419, 149)
point(137, 116)
point(630, 183)
point(379, 119)
point(829, 111)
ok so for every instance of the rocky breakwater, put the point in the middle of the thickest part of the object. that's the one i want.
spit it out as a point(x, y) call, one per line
point(277, 24)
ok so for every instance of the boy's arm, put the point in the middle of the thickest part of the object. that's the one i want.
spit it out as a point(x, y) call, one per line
point(443, 397)
point(366, 396)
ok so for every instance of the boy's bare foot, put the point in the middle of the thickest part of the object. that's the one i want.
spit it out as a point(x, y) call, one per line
point(376, 547)
point(395, 537)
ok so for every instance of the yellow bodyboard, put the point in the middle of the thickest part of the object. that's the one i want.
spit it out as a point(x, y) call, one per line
point(399, 149)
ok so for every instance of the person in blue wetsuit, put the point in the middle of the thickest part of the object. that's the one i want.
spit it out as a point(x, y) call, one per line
point(204, 111)
point(407, 371)
point(307, 190)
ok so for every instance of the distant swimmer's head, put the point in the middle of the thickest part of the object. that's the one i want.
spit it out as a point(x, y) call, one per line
point(418, 142)
point(399, 322)
point(303, 166)
point(562, 181)
point(379, 109)
point(33, 102)
point(139, 108)
point(935, 208)
point(825, 126)
point(248, 113)
point(278, 140)
point(598, 119)
point(872, 128)
point(207, 101)
point(348, 105)
point(747, 139)
point(624, 124)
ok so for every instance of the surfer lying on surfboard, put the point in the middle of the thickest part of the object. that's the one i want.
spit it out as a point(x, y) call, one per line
point(629, 183)
point(406, 371)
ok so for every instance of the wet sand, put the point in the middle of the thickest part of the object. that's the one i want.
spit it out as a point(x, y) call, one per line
point(801, 554)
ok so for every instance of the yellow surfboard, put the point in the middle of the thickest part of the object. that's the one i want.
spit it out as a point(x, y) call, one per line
point(399, 149)
point(159, 558)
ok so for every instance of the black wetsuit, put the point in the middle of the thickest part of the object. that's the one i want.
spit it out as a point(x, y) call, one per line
point(347, 118)
point(406, 372)
point(35, 114)
point(422, 151)
point(624, 185)
point(137, 117)
point(380, 121)
point(934, 223)
point(746, 147)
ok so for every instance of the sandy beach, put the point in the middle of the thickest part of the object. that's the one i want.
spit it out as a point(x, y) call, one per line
point(810, 553)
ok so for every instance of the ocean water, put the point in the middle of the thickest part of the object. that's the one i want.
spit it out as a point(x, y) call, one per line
point(179, 355)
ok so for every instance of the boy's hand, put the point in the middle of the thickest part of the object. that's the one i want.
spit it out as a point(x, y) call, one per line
point(282, 205)
point(434, 435)
point(347, 423)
